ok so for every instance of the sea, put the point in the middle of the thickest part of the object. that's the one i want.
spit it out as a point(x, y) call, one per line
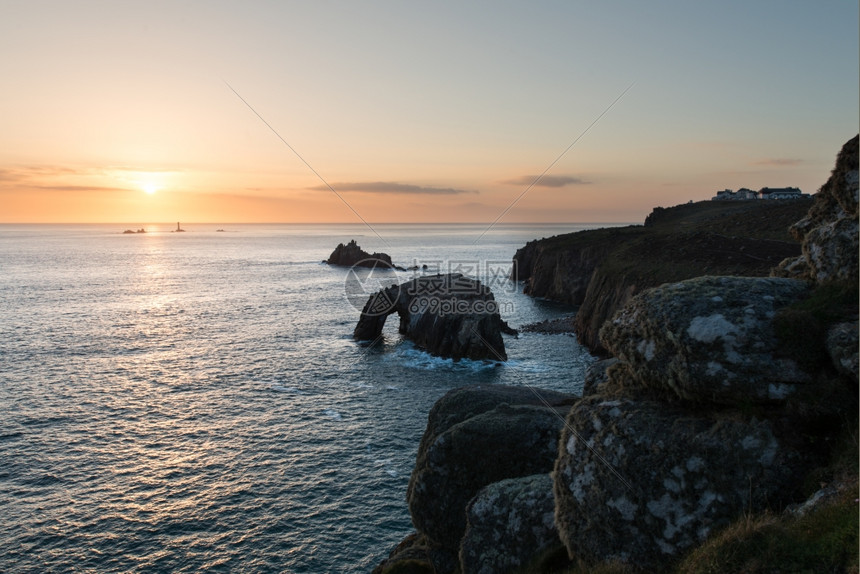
point(188, 401)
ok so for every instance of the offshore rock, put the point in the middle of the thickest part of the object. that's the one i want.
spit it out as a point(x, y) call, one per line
point(351, 254)
point(829, 231)
point(709, 339)
point(448, 315)
point(643, 481)
point(477, 436)
point(509, 523)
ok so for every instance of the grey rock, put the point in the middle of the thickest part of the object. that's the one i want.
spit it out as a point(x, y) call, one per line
point(829, 230)
point(596, 375)
point(509, 523)
point(709, 339)
point(642, 481)
point(351, 254)
point(842, 346)
point(476, 437)
point(448, 315)
point(831, 250)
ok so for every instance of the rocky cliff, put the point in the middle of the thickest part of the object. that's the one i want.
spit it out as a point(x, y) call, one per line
point(600, 270)
point(723, 406)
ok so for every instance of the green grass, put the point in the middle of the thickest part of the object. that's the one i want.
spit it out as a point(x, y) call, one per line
point(802, 327)
point(825, 540)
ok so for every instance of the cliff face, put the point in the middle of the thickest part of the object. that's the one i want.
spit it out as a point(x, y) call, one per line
point(829, 231)
point(601, 269)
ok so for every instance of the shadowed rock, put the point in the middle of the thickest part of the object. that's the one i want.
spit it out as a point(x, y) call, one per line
point(509, 523)
point(643, 481)
point(477, 436)
point(351, 254)
point(448, 315)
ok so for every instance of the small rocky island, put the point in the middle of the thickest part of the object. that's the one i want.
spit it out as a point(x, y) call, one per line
point(351, 255)
point(449, 315)
point(720, 434)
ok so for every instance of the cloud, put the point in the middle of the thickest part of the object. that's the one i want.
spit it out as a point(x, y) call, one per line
point(392, 187)
point(779, 162)
point(25, 173)
point(547, 181)
point(75, 188)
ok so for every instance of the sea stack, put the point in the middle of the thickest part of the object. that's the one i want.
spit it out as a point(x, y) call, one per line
point(351, 254)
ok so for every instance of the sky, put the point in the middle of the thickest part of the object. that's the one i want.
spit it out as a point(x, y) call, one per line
point(401, 111)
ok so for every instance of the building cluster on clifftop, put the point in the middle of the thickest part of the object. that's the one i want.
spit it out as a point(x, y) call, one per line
point(744, 194)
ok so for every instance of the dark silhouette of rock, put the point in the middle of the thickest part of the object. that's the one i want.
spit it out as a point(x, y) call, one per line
point(448, 315)
point(477, 436)
point(351, 254)
point(508, 524)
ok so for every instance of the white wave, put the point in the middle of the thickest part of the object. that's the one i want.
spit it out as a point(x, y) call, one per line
point(332, 414)
point(410, 356)
point(280, 389)
point(391, 472)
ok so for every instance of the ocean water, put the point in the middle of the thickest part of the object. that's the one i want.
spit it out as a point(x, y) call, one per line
point(189, 401)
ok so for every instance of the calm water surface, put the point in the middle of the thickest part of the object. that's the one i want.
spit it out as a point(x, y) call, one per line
point(187, 401)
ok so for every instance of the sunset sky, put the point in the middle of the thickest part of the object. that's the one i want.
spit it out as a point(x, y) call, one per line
point(414, 111)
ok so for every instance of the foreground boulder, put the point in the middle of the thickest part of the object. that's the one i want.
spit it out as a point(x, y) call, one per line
point(709, 339)
point(477, 436)
point(642, 481)
point(509, 523)
point(448, 315)
point(351, 255)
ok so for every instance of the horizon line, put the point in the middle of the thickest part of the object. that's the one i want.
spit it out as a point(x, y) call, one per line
point(173, 223)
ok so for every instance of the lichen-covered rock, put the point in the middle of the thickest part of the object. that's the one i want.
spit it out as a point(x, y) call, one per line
point(709, 339)
point(829, 231)
point(509, 523)
point(596, 375)
point(831, 251)
point(476, 449)
point(642, 481)
point(842, 346)
point(462, 403)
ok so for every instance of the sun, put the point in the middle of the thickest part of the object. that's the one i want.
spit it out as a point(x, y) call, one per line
point(149, 188)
